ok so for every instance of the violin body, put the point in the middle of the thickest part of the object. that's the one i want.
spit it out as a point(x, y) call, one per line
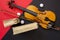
point(41, 16)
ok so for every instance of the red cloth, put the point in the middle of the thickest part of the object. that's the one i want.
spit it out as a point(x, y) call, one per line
point(6, 15)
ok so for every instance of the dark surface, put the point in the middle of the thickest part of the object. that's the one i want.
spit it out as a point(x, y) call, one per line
point(40, 33)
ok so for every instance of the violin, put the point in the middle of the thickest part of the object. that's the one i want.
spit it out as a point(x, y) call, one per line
point(45, 19)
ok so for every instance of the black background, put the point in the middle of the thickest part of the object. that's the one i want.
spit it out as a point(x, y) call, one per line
point(40, 33)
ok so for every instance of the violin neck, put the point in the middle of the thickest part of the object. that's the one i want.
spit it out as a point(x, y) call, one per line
point(26, 10)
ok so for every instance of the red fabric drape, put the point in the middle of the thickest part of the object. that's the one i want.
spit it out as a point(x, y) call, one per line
point(6, 15)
